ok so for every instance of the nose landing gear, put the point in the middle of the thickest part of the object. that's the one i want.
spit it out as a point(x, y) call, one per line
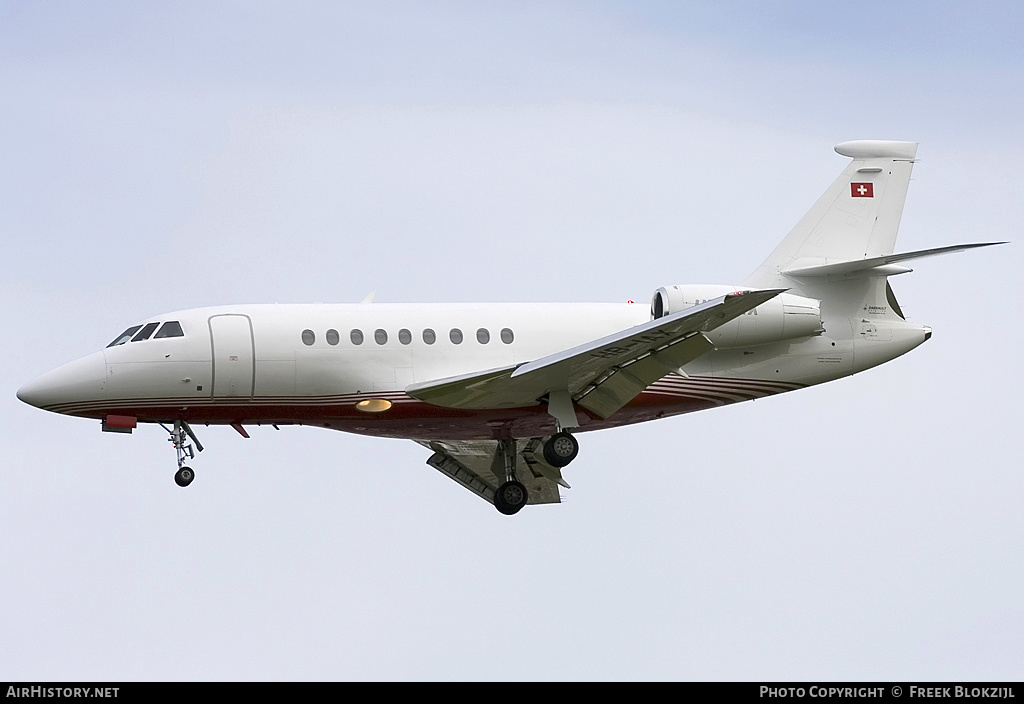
point(180, 435)
point(184, 476)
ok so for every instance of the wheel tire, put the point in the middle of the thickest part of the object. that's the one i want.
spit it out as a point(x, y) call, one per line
point(561, 449)
point(510, 498)
point(184, 476)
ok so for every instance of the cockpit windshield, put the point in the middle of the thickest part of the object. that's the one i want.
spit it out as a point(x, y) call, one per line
point(145, 332)
point(138, 333)
point(125, 336)
point(171, 328)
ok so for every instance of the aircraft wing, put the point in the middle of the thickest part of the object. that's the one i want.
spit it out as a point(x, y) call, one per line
point(603, 375)
point(479, 467)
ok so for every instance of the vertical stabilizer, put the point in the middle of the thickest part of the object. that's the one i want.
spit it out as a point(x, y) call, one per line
point(856, 218)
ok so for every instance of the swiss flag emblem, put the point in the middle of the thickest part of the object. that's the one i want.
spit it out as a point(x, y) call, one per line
point(862, 190)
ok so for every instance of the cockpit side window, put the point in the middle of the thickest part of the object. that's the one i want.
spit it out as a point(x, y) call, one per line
point(125, 336)
point(171, 328)
point(145, 332)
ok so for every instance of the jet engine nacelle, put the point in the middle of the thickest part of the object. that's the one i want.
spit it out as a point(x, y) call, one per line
point(785, 317)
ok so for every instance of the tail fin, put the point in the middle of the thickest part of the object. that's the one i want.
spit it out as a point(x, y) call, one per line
point(856, 218)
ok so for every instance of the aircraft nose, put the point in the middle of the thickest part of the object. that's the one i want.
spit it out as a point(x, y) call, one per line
point(81, 380)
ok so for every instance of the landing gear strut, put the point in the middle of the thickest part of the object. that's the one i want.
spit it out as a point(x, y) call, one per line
point(180, 435)
point(511, 496)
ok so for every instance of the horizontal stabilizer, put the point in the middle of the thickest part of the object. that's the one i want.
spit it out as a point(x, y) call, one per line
point(877, 263)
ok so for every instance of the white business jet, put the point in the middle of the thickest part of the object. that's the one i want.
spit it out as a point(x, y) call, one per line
point(497, 392)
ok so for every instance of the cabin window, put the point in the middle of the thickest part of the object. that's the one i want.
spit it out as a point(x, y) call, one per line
point(404, 336)
point(308, 338)
point(483, 336)
point(380, 336)
point(125, 336)
point(507, 336)
point(429, 336)
point(171, 328)
point(145, 332)
point(333, 337)
point(356, 336)
point(455, 336)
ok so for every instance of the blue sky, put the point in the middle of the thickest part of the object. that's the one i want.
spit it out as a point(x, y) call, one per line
point(167, 156)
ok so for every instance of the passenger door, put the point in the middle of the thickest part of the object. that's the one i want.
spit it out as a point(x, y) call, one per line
point(234, 371)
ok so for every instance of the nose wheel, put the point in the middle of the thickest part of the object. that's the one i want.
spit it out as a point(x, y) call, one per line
point(184, 476)
point(180, 435)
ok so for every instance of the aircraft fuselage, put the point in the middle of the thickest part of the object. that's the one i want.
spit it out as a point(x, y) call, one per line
point(313, 365)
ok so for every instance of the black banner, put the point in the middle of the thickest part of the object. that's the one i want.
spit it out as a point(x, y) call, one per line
point(810, 691)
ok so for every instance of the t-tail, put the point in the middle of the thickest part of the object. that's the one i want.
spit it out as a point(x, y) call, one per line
point(842, 252)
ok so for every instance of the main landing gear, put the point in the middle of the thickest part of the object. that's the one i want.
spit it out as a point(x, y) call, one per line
point(560, 449)
point(511, 496)
point(180, 435)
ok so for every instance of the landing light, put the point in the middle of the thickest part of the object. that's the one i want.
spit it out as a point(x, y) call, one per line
point(374, 405)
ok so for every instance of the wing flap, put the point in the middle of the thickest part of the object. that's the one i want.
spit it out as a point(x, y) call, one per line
point(605, 397)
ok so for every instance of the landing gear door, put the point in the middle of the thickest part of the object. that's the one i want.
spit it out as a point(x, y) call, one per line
point(234, 369)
